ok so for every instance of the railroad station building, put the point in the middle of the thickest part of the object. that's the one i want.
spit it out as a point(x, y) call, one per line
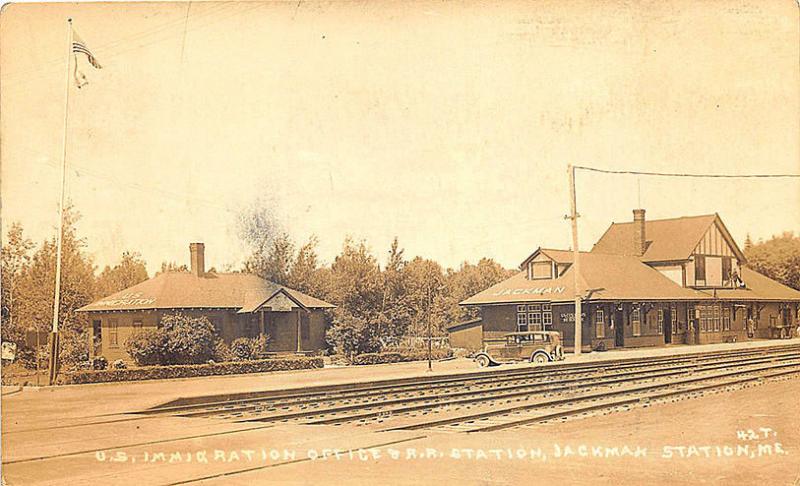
point(237, 304)
point(644, 283)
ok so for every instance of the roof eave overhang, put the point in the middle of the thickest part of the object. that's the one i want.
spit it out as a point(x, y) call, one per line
point(139, 309)
point(287, 295)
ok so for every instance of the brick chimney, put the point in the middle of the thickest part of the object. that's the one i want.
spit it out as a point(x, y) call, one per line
point(197, 259)
point(639, 236)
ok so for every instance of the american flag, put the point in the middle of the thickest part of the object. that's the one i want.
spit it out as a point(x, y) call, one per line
point(79, 47)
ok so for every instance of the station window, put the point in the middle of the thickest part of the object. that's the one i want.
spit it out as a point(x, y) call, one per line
point(547, 316)
point(535, 317)
point(522, 320)
point(113, 332)
point(710, 317)
point(702, 317)
point(660, 321)
point(636, 322)
point(726, 319)
point(673, 319)
point(599, 324)
point(707, 319)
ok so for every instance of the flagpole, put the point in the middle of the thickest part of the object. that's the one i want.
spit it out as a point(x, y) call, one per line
point(59, 237)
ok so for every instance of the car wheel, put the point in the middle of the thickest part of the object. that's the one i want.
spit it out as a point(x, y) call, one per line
point(539, 358)
point(483, 361)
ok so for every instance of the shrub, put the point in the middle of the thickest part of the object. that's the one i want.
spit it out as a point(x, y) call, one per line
point(179, 340)
point(147, 347)
point(119, 365)
point(350, 335)
point(99, 363)
point(187, 371)
point(188, 339)
point(222, 352)
point(421, 355)
point(73, 349)
point(249, 348)
point(397, 357)
point(26, 357)
point(377, 358)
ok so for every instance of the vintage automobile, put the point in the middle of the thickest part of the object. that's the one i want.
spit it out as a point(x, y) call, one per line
point(536, 346)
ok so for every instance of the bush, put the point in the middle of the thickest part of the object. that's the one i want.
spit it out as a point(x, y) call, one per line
point(249, 348)
point(179, 340)
point(350, 335)
point(99, 363)
point(187, 371)
point(147, 347)
point(222, 352)
point(73, 349)
point(119, 365)
point(377, 358)
point(421, 355)
point(398, 357)
point(26, 357)
point(189, 340)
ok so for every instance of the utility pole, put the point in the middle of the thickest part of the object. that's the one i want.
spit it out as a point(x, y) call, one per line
point(430, 310)
point(53, 364)
point(576, 260)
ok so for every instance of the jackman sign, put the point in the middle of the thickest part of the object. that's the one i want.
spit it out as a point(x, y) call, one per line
point(531, 291)
point(131, 298)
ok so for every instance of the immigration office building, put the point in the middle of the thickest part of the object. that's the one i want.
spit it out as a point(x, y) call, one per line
point(237, 304)
point(644, 283)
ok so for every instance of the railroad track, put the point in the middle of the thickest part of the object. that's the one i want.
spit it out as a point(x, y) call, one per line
point(416, 384)
point(588, 404)
point(493, 400)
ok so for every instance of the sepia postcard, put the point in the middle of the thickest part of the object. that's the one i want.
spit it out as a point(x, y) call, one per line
point(400, 242)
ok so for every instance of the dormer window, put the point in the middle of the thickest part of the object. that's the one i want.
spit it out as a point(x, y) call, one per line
point(541, 270)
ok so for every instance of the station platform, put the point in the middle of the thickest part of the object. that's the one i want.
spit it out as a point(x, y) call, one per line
point(122, 397)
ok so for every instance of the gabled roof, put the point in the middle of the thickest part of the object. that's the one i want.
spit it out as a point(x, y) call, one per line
point(281, 299)
point(758, 287)
point(667, 239)
point(602, 277)
point(185, 290)
point(558, 256)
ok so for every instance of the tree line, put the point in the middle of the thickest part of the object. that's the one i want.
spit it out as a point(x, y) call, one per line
point(380, 300)
point(378, 303)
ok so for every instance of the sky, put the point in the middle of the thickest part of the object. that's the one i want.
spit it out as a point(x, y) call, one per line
point(448, 125)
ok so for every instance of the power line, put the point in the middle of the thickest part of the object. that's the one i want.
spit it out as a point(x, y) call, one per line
point(110, 50)
point(680, 174)
point(105, 47)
